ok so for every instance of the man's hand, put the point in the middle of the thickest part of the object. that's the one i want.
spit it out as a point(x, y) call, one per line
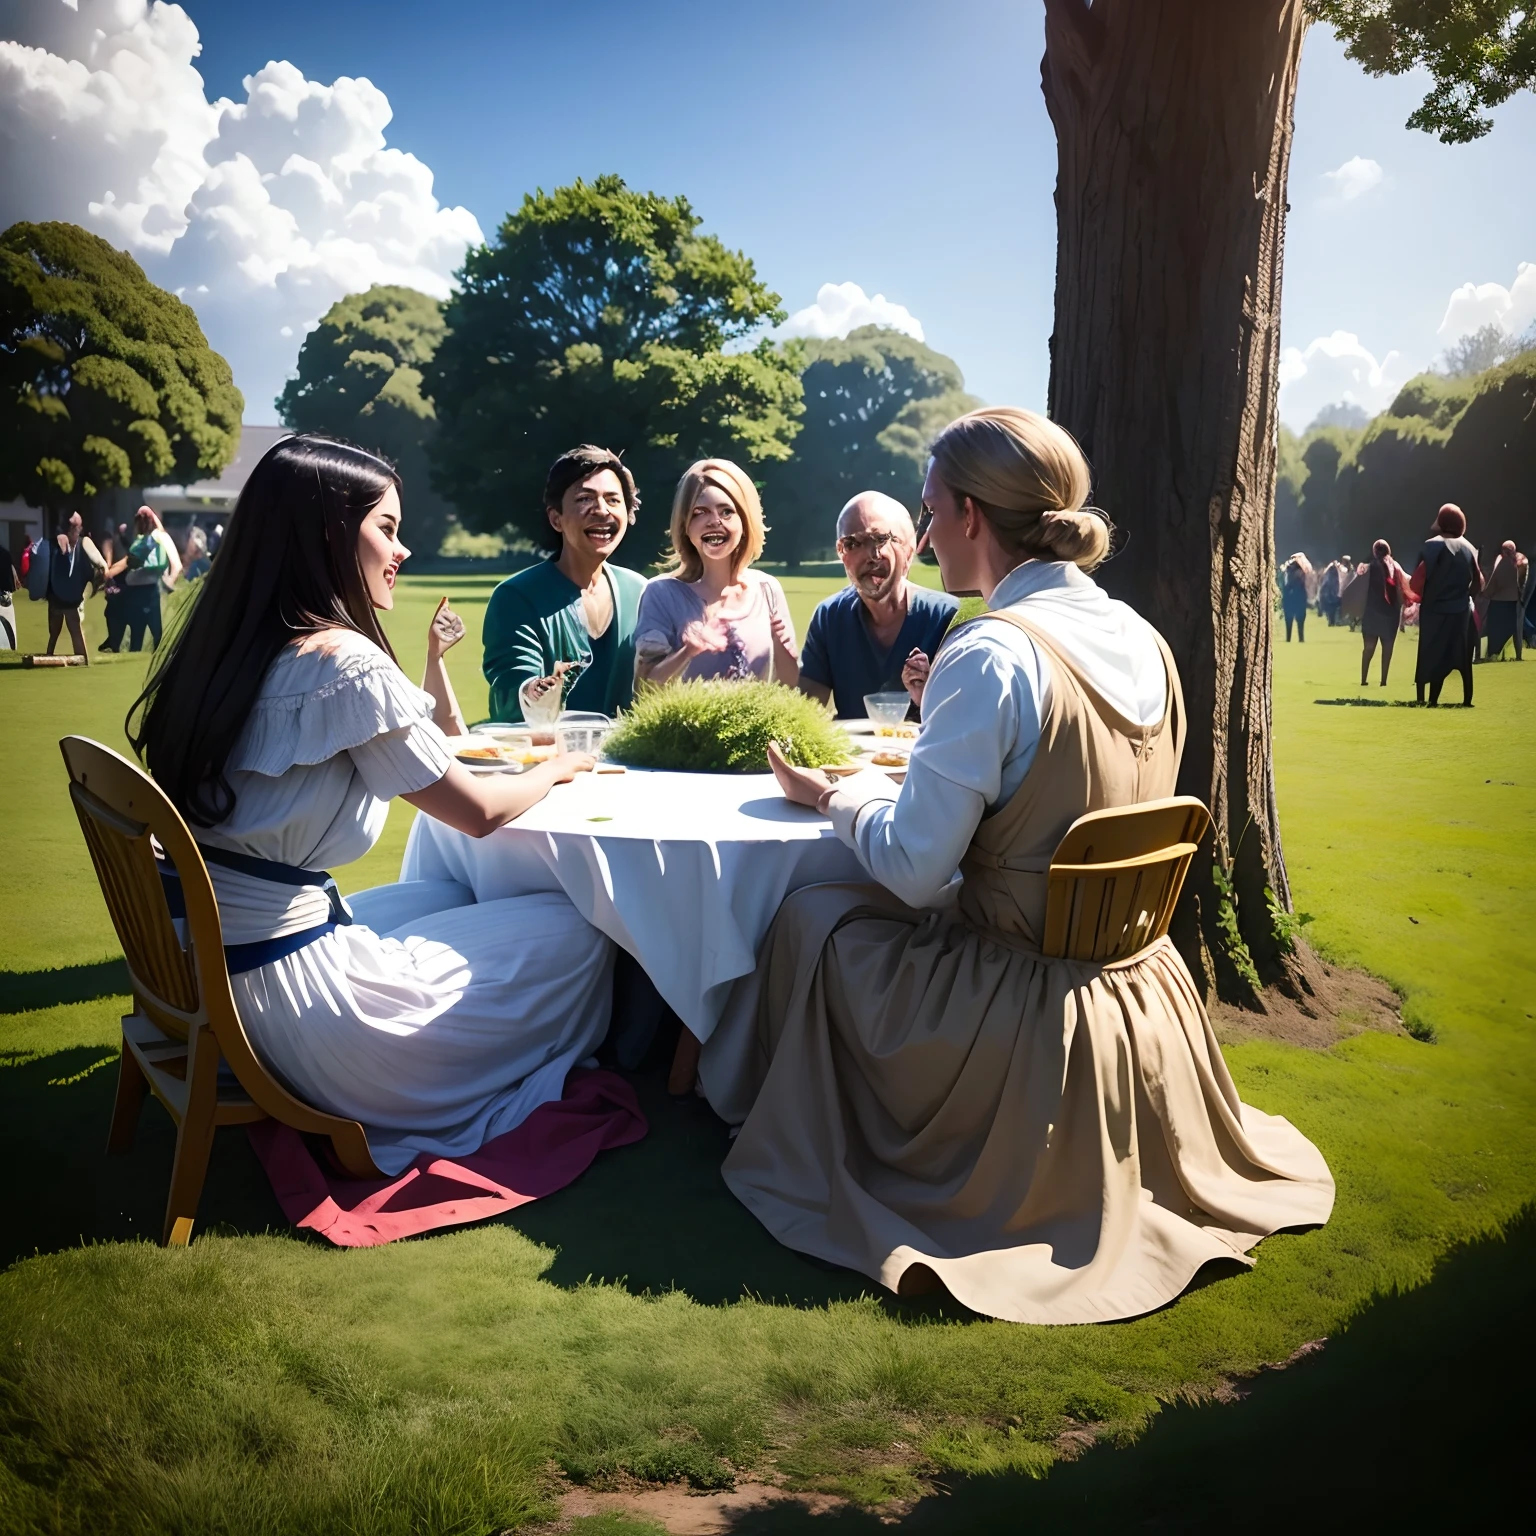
point(537, 687)
point(914, 675)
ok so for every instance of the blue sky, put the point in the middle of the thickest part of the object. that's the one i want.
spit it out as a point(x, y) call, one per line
point(900, 145)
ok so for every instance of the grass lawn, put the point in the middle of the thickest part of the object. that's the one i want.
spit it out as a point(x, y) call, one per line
point(640, 1323)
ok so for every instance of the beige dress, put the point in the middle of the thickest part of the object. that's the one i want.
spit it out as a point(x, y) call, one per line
point(1056, 1141)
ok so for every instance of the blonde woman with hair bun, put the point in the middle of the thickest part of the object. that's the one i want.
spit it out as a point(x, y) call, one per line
point(711, 615)
point(925, 1096)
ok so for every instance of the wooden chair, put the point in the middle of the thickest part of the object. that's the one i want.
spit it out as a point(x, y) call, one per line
point(184, 1026)
point(1115, 878)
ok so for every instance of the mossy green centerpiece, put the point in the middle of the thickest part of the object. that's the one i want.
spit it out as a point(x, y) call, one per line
point(725, 727)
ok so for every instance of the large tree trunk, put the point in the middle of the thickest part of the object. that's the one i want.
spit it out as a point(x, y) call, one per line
point(1173, 122)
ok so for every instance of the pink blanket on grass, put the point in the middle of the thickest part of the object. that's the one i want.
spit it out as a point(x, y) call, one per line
point(551, 1148)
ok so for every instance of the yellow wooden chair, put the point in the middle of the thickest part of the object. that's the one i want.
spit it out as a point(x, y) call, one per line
point(184, 1025)
point(1115, 878)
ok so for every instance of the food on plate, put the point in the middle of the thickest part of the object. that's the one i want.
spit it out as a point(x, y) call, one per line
point(481, 755)
point(889, 760)
point(902, 732)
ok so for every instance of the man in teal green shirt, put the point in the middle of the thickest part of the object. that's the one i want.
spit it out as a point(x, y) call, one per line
point(572, 609)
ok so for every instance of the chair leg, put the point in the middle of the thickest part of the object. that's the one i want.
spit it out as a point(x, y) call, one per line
point(685, 1063)
point(132, 1086)
point(194, 1140)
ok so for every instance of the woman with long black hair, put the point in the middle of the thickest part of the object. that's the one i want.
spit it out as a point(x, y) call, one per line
point(279, 723)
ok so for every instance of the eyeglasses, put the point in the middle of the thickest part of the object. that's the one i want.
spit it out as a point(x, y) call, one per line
point(924, 523)
point(857, 543)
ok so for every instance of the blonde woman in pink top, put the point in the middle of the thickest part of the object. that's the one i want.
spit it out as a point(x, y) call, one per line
point(713, 616)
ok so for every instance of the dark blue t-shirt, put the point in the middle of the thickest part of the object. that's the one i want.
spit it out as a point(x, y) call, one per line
point(841, 652)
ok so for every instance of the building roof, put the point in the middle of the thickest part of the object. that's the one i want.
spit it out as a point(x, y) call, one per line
point(222, 491)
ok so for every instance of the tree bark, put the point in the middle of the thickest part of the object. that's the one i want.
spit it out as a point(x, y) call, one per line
point(1173, 121)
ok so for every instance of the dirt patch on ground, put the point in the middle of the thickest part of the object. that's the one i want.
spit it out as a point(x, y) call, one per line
point(1337, 1003)
point(681, 1511)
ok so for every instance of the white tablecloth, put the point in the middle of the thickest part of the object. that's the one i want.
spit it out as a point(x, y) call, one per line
point(684, 870)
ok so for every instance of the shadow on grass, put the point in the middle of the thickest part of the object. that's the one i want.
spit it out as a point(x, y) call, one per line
point(1409, 1420)
point(658, 1217)
point(653, 1217)
point(64, 1190)
point(24, 991)
point(1382, 703)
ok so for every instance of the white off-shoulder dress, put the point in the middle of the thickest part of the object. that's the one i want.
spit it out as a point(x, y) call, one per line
point(435, 1021)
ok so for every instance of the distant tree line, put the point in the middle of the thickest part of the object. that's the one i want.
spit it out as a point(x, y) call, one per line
point(1467, 438)
point(598, 313)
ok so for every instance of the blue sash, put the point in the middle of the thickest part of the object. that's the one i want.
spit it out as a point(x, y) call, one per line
point(251, 957)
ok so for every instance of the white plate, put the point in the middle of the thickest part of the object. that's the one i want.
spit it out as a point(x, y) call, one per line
point(865, 728)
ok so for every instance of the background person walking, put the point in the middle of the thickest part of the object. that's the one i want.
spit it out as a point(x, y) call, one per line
point(73, 563)
point(1446, 580)
point(150, 559)
point(1293, 596)
point(1382, 617)
point(1502, 594)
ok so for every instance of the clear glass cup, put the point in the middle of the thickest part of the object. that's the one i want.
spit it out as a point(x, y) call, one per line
point(888, 708)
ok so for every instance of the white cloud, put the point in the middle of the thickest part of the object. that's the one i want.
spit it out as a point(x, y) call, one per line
point(260, 213)
point(1335, 368)
point(1353, 179)
point(843, 307)
point(1475, 305)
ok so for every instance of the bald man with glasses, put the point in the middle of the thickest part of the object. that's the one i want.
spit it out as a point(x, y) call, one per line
point(879, 634)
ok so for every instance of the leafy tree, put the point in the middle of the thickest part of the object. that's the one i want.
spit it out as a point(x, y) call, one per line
point(1174, 123)
point(1486, 347)
point(106, 380)
point(1478, 53)
point(360, 377)
point(600, 314)
point(874, 401)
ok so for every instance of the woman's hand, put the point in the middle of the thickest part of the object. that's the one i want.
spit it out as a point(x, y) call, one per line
point(804, 786)
point(706, 634)
point(783, 634)
point(444, 632)
point(914, 675)
point(567, 765)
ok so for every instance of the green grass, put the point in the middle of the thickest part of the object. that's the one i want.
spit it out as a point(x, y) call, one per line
point(641, 1323)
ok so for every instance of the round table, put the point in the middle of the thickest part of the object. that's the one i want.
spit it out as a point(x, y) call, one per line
point(683, 870)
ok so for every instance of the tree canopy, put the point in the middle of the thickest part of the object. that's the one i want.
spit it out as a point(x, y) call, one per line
point(601, 314)
point(360, 377)
point(874, 401)
point(105, 379)
point(1479, 52)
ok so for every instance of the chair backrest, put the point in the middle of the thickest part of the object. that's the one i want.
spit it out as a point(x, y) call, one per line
point(1115, 878)
point(122, 813)
point(121, 809)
